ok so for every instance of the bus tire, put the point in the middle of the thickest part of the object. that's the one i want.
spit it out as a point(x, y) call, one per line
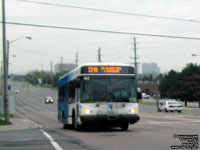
point(124, 126)
point(63, 122)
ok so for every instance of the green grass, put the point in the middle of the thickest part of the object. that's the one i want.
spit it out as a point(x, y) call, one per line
point(2, 122)
point(148, 103)
point(191, 106)
point(10, 115)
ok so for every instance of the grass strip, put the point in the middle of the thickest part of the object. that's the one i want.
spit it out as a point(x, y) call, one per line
point(10, 115)
point(2, 122)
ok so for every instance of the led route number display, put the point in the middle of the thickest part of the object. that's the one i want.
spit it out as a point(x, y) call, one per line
point(104, 69)
point(108, 69)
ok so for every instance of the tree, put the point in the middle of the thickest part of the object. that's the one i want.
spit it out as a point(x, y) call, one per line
point(184, 85)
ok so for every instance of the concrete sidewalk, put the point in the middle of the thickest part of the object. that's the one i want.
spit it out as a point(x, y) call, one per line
point(19, 122)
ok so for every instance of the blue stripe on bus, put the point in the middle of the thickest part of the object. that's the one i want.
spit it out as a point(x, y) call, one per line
point(65, 79)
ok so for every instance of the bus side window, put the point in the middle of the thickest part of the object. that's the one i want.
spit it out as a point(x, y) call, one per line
point(62, 93)
point(71, 92)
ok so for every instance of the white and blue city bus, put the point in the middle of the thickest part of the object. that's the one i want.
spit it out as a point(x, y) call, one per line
point(98, 94)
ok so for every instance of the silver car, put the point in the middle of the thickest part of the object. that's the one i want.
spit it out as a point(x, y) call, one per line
point(49, 99)
point(170, 106)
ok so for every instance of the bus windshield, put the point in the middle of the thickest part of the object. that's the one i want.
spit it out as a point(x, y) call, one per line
point(107, 89)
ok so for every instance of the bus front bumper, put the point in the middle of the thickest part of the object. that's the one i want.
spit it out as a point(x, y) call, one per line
point(110, 119)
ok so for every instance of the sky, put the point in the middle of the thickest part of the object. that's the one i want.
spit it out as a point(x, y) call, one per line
point(49, 44)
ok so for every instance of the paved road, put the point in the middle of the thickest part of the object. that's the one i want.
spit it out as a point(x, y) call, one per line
point(40, 139)
point(155, 131)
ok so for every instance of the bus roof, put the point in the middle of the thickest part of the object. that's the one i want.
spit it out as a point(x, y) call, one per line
point(77, 71)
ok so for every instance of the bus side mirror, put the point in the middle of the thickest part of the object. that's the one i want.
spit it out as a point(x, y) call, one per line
point(77, 84)
point(139, 95)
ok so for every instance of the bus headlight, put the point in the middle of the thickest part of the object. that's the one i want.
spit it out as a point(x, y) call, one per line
point(86, 111)
point(133, 110)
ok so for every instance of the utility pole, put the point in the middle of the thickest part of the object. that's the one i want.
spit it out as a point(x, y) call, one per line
point(41, 67)
point(6, 108)
point(76, 60)
point(51, 65)
point(99, 54)
point(135, 58)
point(61, 66)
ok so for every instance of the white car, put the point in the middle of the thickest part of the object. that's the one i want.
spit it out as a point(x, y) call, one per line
point(49, 99)
point(145, 96)
point(16, 91)
point(170, 106)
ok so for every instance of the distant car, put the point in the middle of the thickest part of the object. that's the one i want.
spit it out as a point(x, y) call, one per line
point(49, 99)
point(145, 96)
point(171, 105)
point(16, 91)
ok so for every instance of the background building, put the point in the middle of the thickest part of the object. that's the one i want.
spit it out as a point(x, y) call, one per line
point(150, 68)
point(66, 67)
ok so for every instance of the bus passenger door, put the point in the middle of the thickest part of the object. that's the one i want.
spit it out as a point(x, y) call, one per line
point(77, 103)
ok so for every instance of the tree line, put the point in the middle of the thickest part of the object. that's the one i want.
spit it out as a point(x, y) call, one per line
point(42, 78)
point(184, 85)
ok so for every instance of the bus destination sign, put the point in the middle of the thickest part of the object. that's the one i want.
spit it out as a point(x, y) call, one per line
point(107, 70)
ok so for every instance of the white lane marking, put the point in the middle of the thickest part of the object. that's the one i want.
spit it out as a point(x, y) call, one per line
point(173, 116)
point(26, 119)
point(53, 142)
point(165, 122)
point(161, 116)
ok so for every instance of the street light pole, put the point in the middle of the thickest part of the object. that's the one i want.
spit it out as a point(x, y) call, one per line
point(8, 48)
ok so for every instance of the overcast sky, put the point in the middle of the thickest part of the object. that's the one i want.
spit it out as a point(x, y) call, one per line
point(166, 52)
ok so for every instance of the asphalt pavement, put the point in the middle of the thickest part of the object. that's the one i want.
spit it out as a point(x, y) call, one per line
point(40, 139)
point(38, 126)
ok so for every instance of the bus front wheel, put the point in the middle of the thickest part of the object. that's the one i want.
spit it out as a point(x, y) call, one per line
point(63, 122)
point(124, 126)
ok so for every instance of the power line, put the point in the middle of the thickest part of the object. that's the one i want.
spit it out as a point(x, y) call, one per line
point(45, 54)
point(110, 11)
point(39, 53)
point(102, 31)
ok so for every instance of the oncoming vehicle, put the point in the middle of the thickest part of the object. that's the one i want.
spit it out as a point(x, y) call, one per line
point(16, 91)
point(98, 94)
point(49, 99)
point(171, 105)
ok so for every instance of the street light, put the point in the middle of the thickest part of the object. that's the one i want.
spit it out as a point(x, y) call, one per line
point(195, 55)
point(8, 48)
point(28, 37)
point(6, 64)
